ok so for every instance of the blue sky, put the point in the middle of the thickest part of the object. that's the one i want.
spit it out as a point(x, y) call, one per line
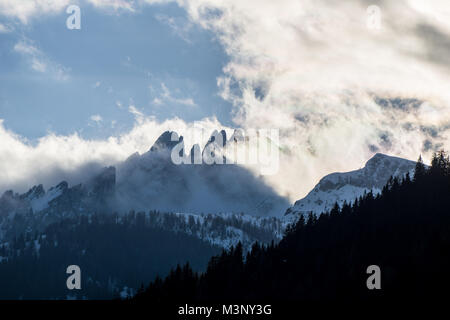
point(157, 61)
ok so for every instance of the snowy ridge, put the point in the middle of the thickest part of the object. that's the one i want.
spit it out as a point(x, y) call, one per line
point(348, 186)
point(223, 229)
point(41, 203)
point(35, 210)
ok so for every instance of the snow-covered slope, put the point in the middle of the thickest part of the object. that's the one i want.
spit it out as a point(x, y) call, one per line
point(224, 229)
point(348, 186)
point(33, 211)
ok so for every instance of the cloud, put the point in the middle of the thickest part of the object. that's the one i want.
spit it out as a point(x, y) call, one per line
point(24, 10)
point(38, 65)
point(56, 157)
point(25, 47)
point(157, 101)
point(4, 28)
point(34, 55)
point(314, 69)
point(133, 110)
point(126, 5)
point(180, 26)
point(39, 62)
point(96, 118)
point(167, 96)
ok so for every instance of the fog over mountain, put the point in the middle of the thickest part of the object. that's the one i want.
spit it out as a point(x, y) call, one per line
point(152, 181)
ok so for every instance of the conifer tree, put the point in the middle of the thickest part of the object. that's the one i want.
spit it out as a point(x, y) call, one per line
point(420, 170)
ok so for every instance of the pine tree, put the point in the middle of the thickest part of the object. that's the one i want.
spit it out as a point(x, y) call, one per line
point(420, 169)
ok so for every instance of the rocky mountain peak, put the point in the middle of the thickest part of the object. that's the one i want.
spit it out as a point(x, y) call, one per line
point(166, 141)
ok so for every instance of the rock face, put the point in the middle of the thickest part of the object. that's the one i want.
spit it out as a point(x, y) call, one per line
point(347, 186)
point(166, 141)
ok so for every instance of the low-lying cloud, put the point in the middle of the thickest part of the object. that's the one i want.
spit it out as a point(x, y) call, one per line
point(55, 157)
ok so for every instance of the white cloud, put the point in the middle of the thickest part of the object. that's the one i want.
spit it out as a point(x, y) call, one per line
point(96, 118)
point(39, 62)
point(55, 157)
point(313, 69)
point(114, 4)
point(4, 28)
point(38, 65)
point(166, 96)
point(139, 116)
point(187, 101)
point(25, 47)
point(180, 26)
point(157, 101)
point(25, 9)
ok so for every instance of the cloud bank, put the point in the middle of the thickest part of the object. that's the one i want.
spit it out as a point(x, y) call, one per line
point(54, 157)
point(337, 89)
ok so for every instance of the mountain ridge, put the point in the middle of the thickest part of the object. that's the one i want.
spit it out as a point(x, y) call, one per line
point(340, 187)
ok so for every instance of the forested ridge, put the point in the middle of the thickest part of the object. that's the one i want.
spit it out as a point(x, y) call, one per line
point(116, 255)
point(405, 231)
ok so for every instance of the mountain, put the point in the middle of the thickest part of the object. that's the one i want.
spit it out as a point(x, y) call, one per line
point(36, 209)
point(152, 180)
point(156, 213)
point(108, 225)
point(392, 248)
point(348, 186)
point(115, 253)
